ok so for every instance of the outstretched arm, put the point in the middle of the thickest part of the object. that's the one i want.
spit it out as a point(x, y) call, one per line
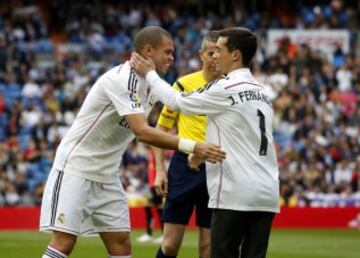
point(207, 102)
point(145, 133)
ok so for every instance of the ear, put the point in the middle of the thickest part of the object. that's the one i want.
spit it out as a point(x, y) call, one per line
point(236, 55)
point(200, 53)
point(148, 50)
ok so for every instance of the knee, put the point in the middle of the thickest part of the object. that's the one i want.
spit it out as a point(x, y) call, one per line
point(119, 244)
point(169, 248)
point(63, 242)
point(123, 242)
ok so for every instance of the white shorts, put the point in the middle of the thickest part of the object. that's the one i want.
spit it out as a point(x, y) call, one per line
point(75, 205)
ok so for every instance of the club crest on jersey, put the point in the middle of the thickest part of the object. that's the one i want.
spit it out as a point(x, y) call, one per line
point(61, 218)
point(134, 98)
point(136, 101)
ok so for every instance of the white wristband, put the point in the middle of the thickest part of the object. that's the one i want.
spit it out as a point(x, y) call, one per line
point(186, 146)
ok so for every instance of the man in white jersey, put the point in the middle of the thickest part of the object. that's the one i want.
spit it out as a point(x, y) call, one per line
point(244, 188)
point(83, 194)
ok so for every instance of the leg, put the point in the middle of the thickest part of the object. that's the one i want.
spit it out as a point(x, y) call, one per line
point(257, 236)
point(158, 240)
point(111, 217)
point(204, 242)
point(176, 215)
point(149, 226)
point(157, 201)
point(64, 198)
point(203, 220)
point(179, 206)
point(149, 220)
point(227, 231)
point(63, 242)
point(117, 243)
point(172, 238)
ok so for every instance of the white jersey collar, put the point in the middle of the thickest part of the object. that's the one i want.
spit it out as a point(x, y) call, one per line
point(244, 71)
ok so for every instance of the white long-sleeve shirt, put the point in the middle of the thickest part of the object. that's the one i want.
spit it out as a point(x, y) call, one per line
point(240, 118)
point(99, 136)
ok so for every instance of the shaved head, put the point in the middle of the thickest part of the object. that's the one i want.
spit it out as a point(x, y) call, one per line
point(151, 35)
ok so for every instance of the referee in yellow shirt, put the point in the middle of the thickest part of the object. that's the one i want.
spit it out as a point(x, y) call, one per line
point(185, 189)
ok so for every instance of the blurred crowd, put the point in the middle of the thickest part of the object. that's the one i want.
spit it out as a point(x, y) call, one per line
point(51, 54)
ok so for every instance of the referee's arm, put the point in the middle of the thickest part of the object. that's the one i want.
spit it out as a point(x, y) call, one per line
point(161, 180)
point(165, 123)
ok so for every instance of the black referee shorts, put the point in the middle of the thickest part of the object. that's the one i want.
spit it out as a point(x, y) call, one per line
point(243, 234)
point(187, 190)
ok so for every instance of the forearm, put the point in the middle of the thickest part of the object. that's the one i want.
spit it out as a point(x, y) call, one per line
point(159, 139)
point(165, 93)
point(159, 154)
point(138, 124)
point(159, 157)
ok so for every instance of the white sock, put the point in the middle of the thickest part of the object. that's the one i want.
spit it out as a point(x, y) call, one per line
point(121, 256)
point(51, 252)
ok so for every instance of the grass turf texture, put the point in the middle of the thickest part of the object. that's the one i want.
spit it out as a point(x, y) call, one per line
point(283, 244)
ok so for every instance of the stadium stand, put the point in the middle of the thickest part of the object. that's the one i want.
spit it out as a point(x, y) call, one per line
point(52, 52)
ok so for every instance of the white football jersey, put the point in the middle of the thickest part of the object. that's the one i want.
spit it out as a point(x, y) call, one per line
point(239, 119)
point(94, 145)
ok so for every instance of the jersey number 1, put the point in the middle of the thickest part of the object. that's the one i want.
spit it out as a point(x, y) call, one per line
point(264, 140)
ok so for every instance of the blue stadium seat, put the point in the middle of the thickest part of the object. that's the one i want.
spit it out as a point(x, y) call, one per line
point(24, 141)
point(2, 134)
point(2, 89)
point(3, 119)
point(43, 46)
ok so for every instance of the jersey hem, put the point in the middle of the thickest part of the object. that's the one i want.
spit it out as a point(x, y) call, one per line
point(98, 179)
point(266, 209)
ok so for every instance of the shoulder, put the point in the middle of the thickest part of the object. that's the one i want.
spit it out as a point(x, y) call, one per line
point(217, 85)
point(241, 82)
point(119, 72)
point(191, 81)
point(121, 76)
point(191, 77)
point(227, 85)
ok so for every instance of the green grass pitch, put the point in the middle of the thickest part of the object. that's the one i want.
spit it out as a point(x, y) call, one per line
point(283, 244)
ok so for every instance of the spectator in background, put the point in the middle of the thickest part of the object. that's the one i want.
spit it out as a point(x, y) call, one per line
point(155, 201)
point(344, 77)
point(355, 179)
point(31, 89)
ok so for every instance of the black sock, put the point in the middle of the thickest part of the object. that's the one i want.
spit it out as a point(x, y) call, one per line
point(160, 254)
point(149, 220)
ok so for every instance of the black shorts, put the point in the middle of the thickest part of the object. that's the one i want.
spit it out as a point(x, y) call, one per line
point(186, 190)
point(244, 232)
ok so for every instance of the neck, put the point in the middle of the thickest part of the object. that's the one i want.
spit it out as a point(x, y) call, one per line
point(208, 75)
point(235, 66)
